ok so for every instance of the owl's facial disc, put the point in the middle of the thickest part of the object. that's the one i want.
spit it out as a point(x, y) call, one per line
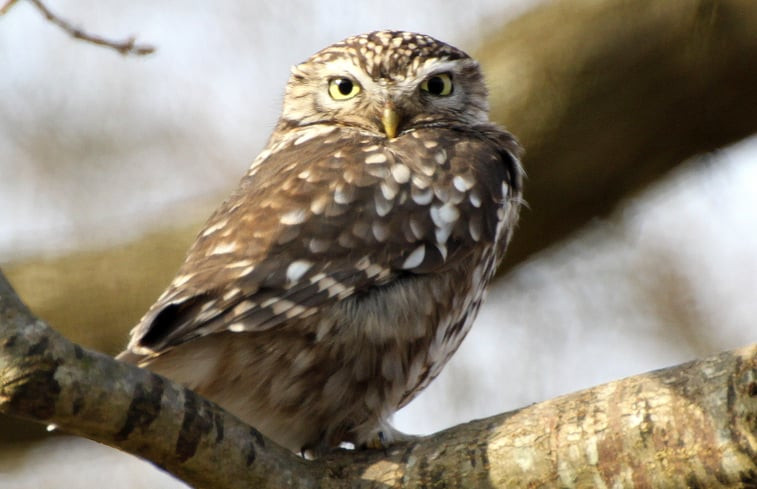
point(387, 83)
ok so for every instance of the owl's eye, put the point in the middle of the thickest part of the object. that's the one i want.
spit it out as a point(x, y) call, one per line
point(343, 88)
point(440, 84)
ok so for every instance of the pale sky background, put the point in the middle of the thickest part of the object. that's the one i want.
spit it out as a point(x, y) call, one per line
point(131, 141)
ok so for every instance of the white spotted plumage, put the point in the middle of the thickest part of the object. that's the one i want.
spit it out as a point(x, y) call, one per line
point(340, 276)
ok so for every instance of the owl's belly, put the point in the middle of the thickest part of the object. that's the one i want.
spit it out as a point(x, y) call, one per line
point(405, 335)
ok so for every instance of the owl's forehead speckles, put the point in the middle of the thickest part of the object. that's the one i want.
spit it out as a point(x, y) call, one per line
point(388, 54)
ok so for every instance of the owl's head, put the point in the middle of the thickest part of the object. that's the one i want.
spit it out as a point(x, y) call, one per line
point(386, 82)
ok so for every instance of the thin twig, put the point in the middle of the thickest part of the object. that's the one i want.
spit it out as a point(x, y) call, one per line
point(126, 47)
point(7, 6)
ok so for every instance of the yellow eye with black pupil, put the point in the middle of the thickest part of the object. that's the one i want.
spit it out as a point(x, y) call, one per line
point(343, 88)
point(440, 85)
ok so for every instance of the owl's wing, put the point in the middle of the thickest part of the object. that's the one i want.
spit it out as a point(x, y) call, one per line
point(328, 214)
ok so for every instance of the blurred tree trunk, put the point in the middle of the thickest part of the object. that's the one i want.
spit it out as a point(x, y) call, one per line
point(608, 96)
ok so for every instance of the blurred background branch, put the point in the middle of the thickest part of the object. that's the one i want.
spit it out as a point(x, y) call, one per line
point(608, 97)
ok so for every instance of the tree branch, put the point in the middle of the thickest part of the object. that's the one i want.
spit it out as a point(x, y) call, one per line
point(125, 47)
point(690, 425)
point(46, 378)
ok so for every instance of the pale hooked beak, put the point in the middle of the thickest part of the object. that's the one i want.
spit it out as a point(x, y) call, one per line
point(390, 119)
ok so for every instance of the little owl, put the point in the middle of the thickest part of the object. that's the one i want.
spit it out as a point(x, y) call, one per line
point(340, 276)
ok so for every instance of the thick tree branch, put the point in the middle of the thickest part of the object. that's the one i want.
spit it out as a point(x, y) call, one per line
point(688, 426)
point(46, 378)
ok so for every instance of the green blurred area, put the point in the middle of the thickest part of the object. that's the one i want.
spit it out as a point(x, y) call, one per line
point(95, 297)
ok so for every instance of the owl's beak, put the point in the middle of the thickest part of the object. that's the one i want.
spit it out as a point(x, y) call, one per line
point(390, 119)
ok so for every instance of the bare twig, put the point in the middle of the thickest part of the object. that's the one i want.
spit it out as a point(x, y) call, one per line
point(7, 6)
point(125, 47)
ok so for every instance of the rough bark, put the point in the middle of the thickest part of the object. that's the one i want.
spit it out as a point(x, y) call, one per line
point(46, 378)
point(687, 426)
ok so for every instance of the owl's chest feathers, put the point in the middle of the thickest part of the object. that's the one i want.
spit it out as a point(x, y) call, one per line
point(411, 229)
point(399, 336)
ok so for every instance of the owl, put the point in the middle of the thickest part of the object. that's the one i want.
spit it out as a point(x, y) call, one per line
point(343, 272)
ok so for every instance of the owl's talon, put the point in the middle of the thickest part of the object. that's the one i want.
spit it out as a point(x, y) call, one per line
point(378, 442)
point(385, 438)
